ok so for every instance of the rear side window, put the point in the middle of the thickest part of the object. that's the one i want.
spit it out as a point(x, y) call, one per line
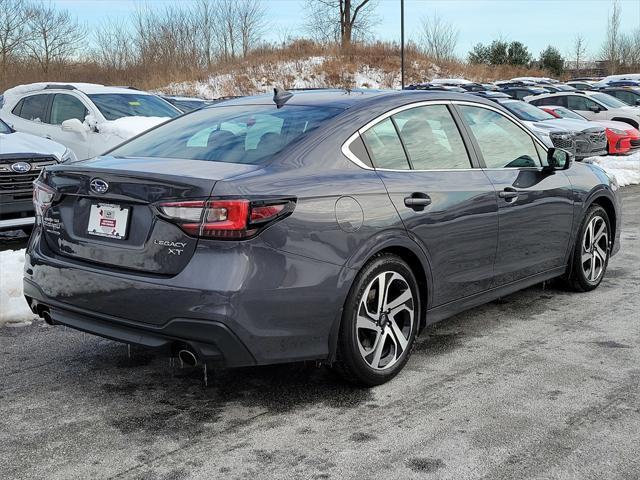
point(250, 134)
point(34, 107)
point(431, 138)
point(384, 146)
point(503, 144)
point(560, 100)
point(65, 107)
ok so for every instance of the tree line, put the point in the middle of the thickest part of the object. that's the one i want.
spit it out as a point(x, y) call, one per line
point(197, 35)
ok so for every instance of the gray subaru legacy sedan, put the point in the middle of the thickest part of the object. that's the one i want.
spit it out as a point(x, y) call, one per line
point(323, 225)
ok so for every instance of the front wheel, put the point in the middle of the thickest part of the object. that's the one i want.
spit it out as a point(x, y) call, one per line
point(591, 252)
point(379, 322)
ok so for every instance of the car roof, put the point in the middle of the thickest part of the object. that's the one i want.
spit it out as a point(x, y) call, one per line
point(86, 88)
point(344, 99)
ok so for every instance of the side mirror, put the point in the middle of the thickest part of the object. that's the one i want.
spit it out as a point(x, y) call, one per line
point(638, 102)
point(76, 126)
point(595, 108)
point(559, 159)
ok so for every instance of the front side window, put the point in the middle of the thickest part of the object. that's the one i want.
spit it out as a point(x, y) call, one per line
point(118, 105)
point(65, 107)
point(577, 102)
point(384, 146)
point(502, 143)
point(34, 107)
point(627, 97)
point(431, 138)
point(527, 112)
point(226, 133)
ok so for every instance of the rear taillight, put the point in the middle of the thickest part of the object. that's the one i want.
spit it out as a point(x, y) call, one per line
point(43, 197)
point(224, 219)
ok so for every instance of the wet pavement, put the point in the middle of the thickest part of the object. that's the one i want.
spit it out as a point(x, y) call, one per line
point(541, 384)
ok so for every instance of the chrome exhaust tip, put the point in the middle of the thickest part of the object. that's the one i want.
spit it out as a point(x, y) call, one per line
point(188, 357)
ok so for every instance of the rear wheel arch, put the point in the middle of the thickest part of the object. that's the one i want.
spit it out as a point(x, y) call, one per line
point(403, 248)
point(627, 121)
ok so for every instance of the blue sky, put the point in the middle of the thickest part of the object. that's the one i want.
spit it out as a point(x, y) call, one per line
point(536, 23)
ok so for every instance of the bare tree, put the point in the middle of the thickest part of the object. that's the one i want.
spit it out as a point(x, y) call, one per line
point(579, 50)
point(55, 35)
point(14, 15)
point(251, 16)
point(611, 49)
point(114, 45)
point(340, 20)
point(439, 38)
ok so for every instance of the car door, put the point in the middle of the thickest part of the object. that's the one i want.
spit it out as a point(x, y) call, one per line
point(65, 106)
point(535, 212)
point(585, 107)
point(447, 206)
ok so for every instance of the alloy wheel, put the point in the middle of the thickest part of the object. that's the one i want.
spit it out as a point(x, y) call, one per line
point(595, 246)
point(385, 318)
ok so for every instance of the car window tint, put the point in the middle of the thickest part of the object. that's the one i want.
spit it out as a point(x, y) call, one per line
point(357, 148)
point(577, 102)
point(65, 107)
point(118, 105)
point(225, 133)
point(384, 146)
point(627, 97)
point(33, 107)
point(431, 138)
point(503, 144)
point(16, 110)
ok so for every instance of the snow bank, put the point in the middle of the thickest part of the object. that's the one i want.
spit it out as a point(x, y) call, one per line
point(13, 307)
point(625, 169)
point(127, 127)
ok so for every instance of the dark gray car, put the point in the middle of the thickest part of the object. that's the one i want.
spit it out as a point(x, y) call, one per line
point(333, 226)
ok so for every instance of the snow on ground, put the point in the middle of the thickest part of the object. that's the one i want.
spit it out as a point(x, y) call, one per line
point(13, 307)
point(625, 169)
point(305, 73)
point(127, 127)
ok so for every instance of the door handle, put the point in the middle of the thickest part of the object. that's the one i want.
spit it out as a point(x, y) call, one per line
point(417, 201)
point(508, 194)
point(48, 137)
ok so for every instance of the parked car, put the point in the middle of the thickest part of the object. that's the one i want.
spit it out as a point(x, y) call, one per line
point(557, 87)
point(87, 118)
point(581, 84)
point(520, 92)
point(186, 104)
point(22, 158)
point(592, 105)
point(628, 95)
point(621, 137)
point(330, 229)
point(616, 78)
point(582, 138)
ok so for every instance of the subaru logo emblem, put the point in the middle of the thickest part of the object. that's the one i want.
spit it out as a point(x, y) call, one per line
point(21, 167)
point(99, 186)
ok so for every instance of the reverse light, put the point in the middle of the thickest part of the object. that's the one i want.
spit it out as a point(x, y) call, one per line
point(225, 219)
point(43, 197)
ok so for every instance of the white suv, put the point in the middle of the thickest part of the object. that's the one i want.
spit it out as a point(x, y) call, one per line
point(87, 118)
point(591, 105)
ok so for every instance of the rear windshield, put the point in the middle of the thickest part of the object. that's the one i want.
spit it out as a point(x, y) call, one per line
point(117, 105)
point(250, 134)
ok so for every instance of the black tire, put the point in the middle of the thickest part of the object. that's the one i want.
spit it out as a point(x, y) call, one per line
point(351, 364)
point(577, 279)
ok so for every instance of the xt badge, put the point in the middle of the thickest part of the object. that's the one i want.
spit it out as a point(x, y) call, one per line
point(175, 248)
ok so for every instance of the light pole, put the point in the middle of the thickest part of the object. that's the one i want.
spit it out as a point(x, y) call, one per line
point(402, 44)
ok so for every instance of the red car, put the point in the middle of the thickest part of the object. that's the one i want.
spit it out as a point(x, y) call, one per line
point(622, 137)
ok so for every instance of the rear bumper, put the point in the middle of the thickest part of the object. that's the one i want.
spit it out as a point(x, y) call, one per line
point(240, 306)
point(211, 340)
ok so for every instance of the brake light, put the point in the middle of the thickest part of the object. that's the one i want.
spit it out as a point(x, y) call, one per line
point(224, 219)
point(43, 197)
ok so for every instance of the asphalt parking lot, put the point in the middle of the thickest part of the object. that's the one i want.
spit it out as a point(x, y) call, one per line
point(542, 384)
